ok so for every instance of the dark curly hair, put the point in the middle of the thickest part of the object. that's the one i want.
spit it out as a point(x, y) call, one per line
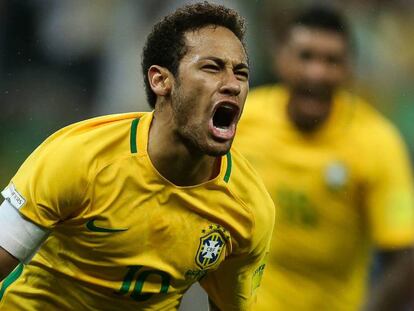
point(324, 18)
point(165, 45)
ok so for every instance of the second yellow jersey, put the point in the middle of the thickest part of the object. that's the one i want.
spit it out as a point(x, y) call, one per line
point(340, 191)
point(124, 238)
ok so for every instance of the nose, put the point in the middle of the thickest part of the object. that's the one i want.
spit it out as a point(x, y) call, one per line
point(230, 84)
point(317, 71)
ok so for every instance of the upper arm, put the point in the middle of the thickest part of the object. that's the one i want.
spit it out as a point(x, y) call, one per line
point(392, 286)
point(398, 263)
point(388, 258)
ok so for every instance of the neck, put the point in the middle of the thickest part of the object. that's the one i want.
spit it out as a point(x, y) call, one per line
point(307, 113)
point(173, 159)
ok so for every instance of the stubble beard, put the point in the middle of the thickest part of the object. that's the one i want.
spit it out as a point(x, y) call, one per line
point(189, 133)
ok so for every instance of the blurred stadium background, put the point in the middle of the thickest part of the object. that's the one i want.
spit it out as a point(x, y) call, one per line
point(62, 61)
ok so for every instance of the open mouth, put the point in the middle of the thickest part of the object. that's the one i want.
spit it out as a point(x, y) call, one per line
point(224, 121)
point(224, 116)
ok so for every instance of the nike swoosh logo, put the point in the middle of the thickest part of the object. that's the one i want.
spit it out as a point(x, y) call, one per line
point(92, 227)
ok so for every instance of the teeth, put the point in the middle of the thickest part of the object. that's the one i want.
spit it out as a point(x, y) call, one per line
point(228, 106)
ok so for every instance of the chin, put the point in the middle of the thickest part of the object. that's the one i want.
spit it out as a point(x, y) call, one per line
point(206, 145)
point(218, 149)
point(217, 153)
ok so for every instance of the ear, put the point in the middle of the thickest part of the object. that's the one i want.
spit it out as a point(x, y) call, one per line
point(160, 79)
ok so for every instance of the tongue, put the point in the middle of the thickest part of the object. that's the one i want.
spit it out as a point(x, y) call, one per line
point(222, 133)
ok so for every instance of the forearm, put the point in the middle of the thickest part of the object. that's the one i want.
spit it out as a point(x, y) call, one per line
point(212, 306)
point(7, 263)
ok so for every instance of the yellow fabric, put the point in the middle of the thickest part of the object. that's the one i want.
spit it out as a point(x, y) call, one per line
point(123, 237)
point(341, 190)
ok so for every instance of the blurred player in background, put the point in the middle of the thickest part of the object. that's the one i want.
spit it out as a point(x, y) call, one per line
point(337, 169)
point(136, 207)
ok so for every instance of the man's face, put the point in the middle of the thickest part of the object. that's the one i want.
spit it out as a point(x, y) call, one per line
point(314, 62)
point(210, 89)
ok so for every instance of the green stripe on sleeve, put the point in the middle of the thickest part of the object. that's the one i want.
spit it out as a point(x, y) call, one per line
point(133, 137)
point(228, 170)
point(10, 279)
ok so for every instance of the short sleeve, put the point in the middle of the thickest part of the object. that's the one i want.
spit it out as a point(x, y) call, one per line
point(51, 183)
point(233, 286)
point(390, 197)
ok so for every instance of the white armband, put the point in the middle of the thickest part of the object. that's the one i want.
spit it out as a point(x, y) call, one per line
point(18, 236)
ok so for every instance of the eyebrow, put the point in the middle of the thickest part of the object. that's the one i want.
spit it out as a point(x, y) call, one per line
point(222, 63)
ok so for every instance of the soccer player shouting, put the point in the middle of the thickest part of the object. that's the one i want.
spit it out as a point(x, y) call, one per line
point(134, 208)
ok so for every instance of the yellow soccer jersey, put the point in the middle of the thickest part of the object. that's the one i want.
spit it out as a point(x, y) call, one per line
point(339, 191)
point(123, 237)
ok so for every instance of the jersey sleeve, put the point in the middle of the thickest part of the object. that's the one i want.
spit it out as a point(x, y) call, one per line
point(51, 183)
point(233, 286)
point(390, 197)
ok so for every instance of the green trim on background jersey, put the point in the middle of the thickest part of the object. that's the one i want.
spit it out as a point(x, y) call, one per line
point(228, 170)
point(133, 137)
point(10, 279)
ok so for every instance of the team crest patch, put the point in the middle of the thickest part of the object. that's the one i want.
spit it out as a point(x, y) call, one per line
point(210, 249)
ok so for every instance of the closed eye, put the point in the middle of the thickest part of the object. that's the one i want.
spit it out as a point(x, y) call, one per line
point(243, 74)
point(211, 67)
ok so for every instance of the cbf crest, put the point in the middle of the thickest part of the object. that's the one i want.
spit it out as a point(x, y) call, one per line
point(211, 247)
